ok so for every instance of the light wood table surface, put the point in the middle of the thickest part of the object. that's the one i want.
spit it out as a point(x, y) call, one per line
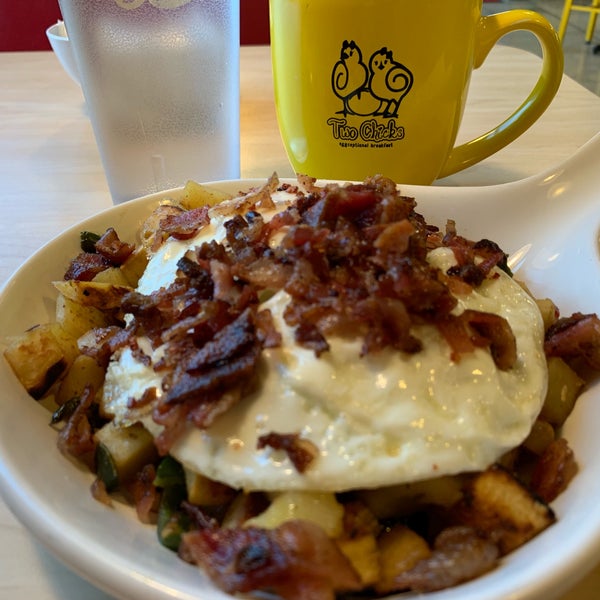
point(51, 178)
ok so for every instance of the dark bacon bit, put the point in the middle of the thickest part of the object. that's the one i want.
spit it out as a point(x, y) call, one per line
point(459, 555)
point(493, 256)
point(113, 249)
point(148, 397)
point(203, 384)
point(308, 336)
point(268, 336)
point(396, 237)
point(388, 324)
point(211, 406)
point(499, 335)
point(356, 203)
point(301, 452)
point(85, 266)
point(108, 251)
point(186, 224)
point(174, 419)
point(469, 273)
point(231, 341)
point(76, 438)
point(296, 560)
point(554, 470)
point(458, 336)
point(100, 493)
point(475, 329)
point(465, 251)
point(104, 341)
point(145, 495)
point(199, 517)
point(577, 336)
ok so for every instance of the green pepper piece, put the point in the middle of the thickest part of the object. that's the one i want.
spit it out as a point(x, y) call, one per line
point(169, 472)
point(87, 241)
point(106, 469)
point(172, 522)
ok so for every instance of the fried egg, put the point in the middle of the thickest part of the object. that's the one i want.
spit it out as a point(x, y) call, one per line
point(381, 419)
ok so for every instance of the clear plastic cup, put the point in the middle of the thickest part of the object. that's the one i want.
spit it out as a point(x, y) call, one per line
point(161, 83)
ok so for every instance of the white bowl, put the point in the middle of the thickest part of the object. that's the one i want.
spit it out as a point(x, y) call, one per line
point(550, 221)
point(59, 40)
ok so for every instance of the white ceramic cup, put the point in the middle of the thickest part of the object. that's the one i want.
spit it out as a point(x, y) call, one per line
point(61, 45)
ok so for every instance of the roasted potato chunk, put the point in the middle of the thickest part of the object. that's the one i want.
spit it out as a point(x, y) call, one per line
point(196, 195)
point(540, 437)
point(363, 554)
point(112, 275)
point(400, 549)
point(548, 310)
point(503, 510)
point(40, 356)
point(321, 508)
point(564, 386)
point(84, 371)
point(206, 492)
point(103, 296)
point(134, 267)
point(77, 319)
point(121, 452)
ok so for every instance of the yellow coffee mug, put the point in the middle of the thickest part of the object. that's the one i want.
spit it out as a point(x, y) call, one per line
point(379, 86)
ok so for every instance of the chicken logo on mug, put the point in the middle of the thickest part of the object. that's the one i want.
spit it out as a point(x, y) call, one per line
point(373, 91)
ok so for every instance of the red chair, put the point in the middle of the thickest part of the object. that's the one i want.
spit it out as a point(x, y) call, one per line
point(23, 23)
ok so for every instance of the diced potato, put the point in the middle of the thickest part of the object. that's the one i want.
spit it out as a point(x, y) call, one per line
point(564, 386)
point(206, 492)
point(359, 520)
point(400, 549)
point(111, 275)
point(135, 265)
point(150, 228)
point(244, 507)
point(403, 499)
point(83, 371)
point(363, 554)
point(196, 195)
point(321, 508)
point(500, 508)
point(103, 296)
point(548, 310)
point(77, 319)
point(122, 452)
point(540, 437)
point(40, 356)
point(49, 402)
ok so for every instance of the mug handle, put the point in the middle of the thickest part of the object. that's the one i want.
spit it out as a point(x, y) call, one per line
point(491, 29)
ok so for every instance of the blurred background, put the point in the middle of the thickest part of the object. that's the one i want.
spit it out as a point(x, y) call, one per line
point(581, 63)
point(23, 24)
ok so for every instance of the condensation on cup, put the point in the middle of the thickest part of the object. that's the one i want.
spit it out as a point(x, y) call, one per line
point(161, 83)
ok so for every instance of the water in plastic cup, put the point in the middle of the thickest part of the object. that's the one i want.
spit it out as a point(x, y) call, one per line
point(161, 83)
